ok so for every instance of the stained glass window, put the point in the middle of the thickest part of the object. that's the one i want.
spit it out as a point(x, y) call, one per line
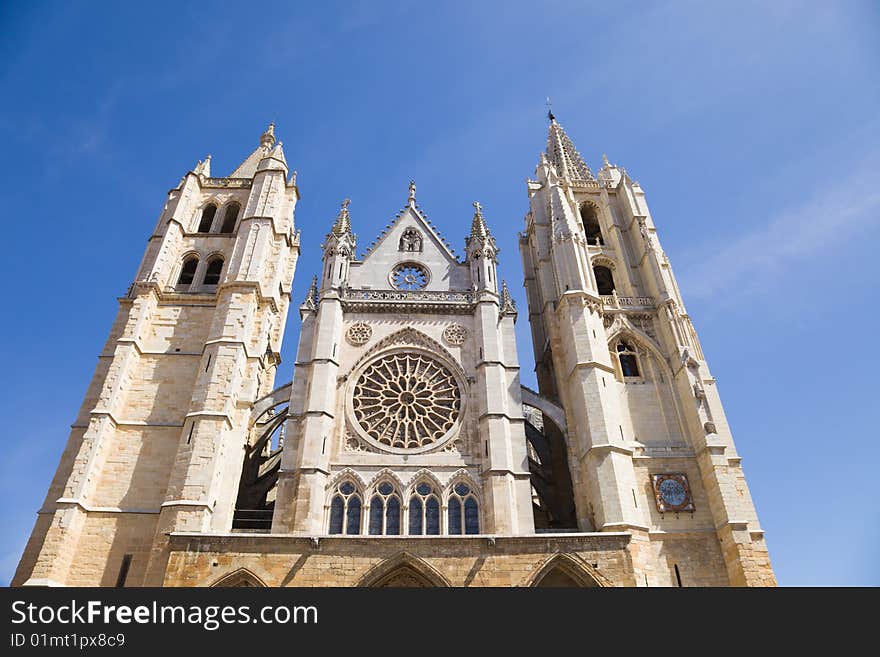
point(345, 510)
point(460, 497)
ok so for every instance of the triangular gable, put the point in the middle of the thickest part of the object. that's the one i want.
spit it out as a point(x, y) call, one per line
point(411, 214)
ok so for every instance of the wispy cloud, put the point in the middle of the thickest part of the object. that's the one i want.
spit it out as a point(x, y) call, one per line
point(835, 213)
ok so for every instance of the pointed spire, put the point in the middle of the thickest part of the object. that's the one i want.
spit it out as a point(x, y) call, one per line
point(252, 163)
point(311, 300)
point(564, 156)
point(479, 229)
point(343, 219)
point(480, 237)
point(508, 306)
point(341, 231)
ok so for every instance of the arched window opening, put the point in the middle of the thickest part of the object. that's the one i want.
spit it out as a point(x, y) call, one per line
point(411, 240)
point(591, 224)
point(188, 271)
point(604, 280)
point(345, 510)
point(212, 273)
point(207, 218)
point(230, 217)
point(385, 511)
point(424, 510)
point(462, 498)
point(629, 362)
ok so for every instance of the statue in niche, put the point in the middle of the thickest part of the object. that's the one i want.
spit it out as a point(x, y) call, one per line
point(411, 240)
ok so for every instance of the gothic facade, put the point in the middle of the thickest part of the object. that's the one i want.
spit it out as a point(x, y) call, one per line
point(405, 452)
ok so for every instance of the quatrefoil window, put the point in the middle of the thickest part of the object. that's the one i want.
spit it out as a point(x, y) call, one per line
point(406, 400)
point(409, 276)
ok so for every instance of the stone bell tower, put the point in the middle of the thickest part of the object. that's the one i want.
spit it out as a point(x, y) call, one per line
point(164, 421)
point(647, 444)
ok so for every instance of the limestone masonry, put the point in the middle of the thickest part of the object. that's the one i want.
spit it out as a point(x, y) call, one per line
point(405, 452)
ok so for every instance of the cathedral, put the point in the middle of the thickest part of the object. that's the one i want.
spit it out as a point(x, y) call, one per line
point(405, 451)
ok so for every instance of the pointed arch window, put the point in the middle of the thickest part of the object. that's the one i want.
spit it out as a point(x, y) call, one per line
point(207, 218)
point(385, 511)
point(188, 271)
point(411, 241)
point(345, 510)
point(629, 360)
point(212, 273)
point(463, 513)
point(604, 280)
point(424, 510)
point(230, 217)
point(590, 220)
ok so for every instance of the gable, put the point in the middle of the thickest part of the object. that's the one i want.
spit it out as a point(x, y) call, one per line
point(389, 250)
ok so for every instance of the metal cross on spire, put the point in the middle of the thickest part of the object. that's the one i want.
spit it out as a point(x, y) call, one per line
point(550, 109)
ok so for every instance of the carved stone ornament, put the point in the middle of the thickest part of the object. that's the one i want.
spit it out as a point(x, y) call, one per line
point(455, 334)
point(355, 444)
point(359, 333)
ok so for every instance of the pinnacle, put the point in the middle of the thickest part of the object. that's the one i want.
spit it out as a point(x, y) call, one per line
point(479, 229)
point(342, 225)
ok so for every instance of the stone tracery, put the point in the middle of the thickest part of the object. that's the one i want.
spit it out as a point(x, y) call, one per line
point(406, 400)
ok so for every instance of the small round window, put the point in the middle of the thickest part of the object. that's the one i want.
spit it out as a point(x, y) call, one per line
point(409, 276)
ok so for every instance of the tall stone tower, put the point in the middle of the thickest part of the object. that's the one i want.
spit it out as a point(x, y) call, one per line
point(647, 445)
point(164, 422)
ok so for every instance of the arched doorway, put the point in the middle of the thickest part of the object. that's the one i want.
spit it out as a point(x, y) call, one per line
point(239, 579)
point(403, 571)
point(567, 571)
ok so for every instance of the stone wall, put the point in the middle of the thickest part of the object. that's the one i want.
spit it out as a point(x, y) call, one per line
point(283, 560)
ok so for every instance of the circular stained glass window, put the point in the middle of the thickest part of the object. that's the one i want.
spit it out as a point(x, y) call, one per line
point(409, 276)
point(406, 400)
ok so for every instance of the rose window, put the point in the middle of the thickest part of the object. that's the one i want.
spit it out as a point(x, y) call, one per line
point(359, 333)
point(406, 400)
point(409, 276)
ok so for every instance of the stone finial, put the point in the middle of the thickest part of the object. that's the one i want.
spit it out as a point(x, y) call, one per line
point(267, 140)
point(412, 192)
point(605, 163)
point(311, 300)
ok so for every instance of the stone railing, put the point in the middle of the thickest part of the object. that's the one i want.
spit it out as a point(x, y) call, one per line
point(410, 296)
point(228, 182)
point(616, 301)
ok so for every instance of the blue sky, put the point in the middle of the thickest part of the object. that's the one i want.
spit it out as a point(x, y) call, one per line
point(752, 126)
